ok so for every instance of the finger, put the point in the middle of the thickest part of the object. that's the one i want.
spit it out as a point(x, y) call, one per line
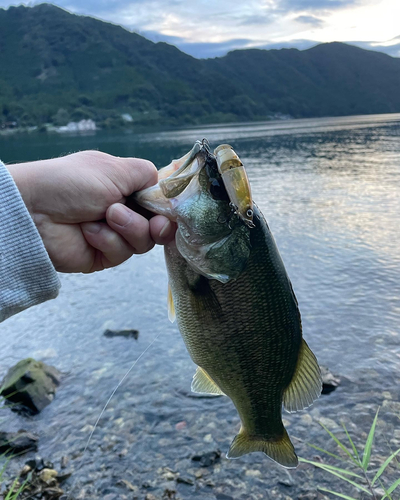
point(137, 174)
point(112, 248)
point(131, 226)
point(162, 230)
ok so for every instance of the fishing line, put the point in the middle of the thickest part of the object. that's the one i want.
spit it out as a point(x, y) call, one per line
point(111, 396)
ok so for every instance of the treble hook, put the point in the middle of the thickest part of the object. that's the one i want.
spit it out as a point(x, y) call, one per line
point(206, 145)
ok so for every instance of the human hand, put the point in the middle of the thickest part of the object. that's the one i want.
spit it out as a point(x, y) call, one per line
point(69, 198)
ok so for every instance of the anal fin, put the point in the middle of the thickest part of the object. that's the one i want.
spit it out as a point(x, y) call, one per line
point(204, 384)
point(306, 384)
point(280, 450)
point(170, 304)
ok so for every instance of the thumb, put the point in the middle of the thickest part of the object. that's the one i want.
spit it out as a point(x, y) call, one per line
point(134, 174)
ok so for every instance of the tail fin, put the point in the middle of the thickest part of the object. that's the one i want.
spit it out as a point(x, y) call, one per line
point(280, 450)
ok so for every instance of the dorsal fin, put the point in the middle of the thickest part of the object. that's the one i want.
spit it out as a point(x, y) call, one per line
point(204, 384)
point(306, 384)
point(171, 307)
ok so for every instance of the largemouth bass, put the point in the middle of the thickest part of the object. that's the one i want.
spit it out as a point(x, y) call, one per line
point(233, 299)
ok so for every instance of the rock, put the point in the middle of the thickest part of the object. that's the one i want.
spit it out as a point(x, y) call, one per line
point(128, 484)
point(328, 422)
point(379, 493)
point(48, 476)
point(41, 480)
point(18, 442)
point(122, 333)
point(329, 381)
point(185, 480)
point(30, 385)
point(207, 459)
point(36, 464)
point(53, 493)
point(180, 425)
point(309, 495)
point(253, 473)
point(169, 494)
point(25, 470)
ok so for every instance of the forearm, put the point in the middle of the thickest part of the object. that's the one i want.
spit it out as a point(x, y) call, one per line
point(27, 276)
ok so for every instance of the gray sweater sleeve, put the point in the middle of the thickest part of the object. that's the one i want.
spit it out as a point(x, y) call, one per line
point(27, 276)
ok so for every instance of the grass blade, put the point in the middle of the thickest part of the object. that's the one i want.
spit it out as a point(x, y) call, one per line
point(327, 466)
point(351, 443)
point(327, 452)
point(368, 444)
point(340, 444)
point(13, 495)
point(392, 488)
point(385, 490)
point(334, 473)
point(383, 466)
point(340, 495)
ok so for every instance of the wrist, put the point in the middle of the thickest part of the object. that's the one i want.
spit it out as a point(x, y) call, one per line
point(19, 173)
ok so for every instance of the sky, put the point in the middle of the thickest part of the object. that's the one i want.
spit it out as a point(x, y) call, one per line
point(211, 28)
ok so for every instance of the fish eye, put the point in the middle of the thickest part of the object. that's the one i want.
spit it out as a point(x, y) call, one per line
point(217, 190)
point(215, 185)
point(249, 213)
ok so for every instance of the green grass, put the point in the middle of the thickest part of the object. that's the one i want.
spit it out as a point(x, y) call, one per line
point(16, 488)
point(363, 480)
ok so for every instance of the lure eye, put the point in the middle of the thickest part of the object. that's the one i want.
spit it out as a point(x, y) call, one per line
point(249, 213)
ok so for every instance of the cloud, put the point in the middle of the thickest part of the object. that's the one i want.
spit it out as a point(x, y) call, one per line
point(391, 50)
point(254, 19)
point(210, 28)
point(314, 21)
point(200, 50)
point(316, 5)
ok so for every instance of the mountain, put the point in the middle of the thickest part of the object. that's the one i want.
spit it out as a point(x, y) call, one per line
point(57, 67)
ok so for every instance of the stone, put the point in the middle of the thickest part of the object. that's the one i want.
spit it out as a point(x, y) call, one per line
point(379, 493)
point(207, 459)
point(30, 385)
point(48, 476)
point(185, 480)
point(122, 333)
point(253, 473)
point(18, 442)
point(36, 464)
point(329, 381)
point(328, 422)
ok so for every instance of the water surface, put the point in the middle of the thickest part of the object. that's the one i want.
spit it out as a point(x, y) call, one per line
point(330, 190)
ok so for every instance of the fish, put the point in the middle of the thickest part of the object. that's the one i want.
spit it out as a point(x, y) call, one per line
point(232, 298)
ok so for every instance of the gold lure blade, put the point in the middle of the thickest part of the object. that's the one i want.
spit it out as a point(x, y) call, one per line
point(236, 182)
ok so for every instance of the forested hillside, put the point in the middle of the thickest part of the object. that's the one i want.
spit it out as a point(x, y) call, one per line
point(57, 67)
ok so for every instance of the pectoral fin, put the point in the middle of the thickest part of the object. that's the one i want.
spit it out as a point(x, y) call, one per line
point(204, 384)
point(171, 307)
point(306, 384)
point(281, 450)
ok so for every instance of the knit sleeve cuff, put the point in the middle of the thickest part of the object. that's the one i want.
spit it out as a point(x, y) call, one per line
point(27, 276)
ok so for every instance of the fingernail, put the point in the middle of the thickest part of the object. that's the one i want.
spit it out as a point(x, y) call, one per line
point(166, 229)
point(120, 215)
point(92, 227)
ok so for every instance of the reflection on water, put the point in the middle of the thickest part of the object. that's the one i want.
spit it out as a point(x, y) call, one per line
point(329, 189)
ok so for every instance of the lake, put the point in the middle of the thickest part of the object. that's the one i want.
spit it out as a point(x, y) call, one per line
point(330, 191)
